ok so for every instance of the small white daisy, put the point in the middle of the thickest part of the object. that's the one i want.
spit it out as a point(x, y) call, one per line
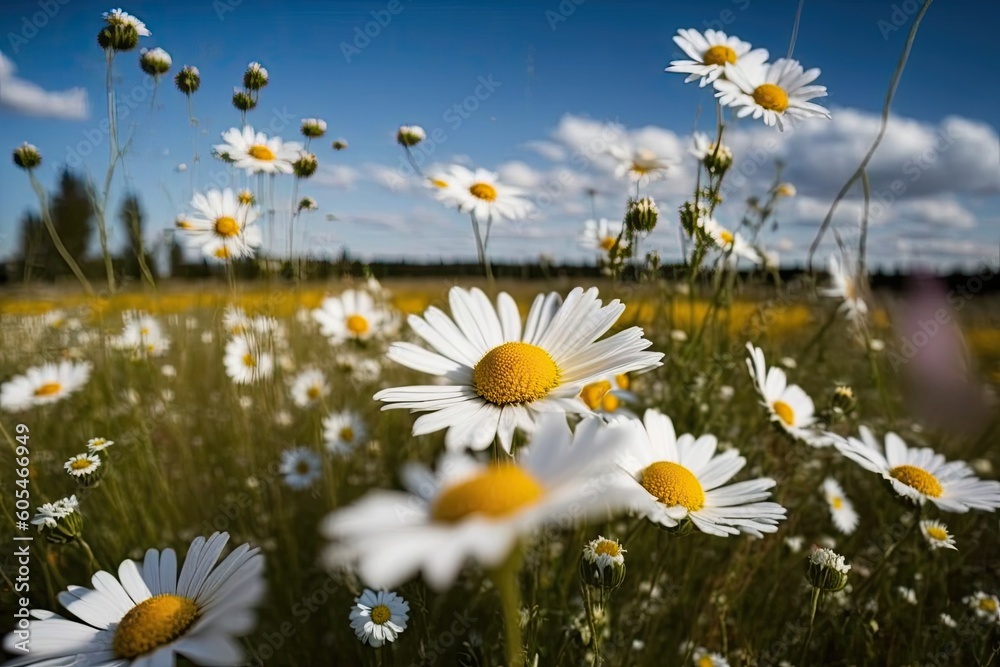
point(48, 515)
point(637, 163)
point(309, 388)
point(986, 607)
point(920, 474)
point(142, 335)
point(845, 286)
point(683, 478)
point(947, 620)
point(789, 405)
point(119, 17)
point(908, 594)
point(937, 536)
point(344, 431)
point(702, 657)
point(149, 615)
point(706, 151)
point(353, 314)
point(604, 552)
point(468, 510)
point(43, 385)
point(246, 361)
point(410, 135)
point(841, 509)
point(481, 193)
point(774, 92)
point(497, 376)
point(222, 227)
point(731, 243)
point(602, 235)
point(82, 465)
point(379, 617)
point(254, 152)
point(95, 445)
point(301, 467)
point(709, 52)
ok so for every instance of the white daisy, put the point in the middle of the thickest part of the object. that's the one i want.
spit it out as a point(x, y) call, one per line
point(841, 509)
point(48, 515)
point(254, 152)
point(246, 361)
point(222, 227)
point(709, 54)
point(142, 335)
point(301, 467)
point(379, 617)
point(602, 235)
point(789, 405)
point(683, 478)
point(42, 385)
point(774, 92)
point(920, 474)
point(702, 657)
point(410, 135)
point(985, 606)
point(344, 431)
point(637, 163)
point(707, 153)
point(119, 17)
point(481, 193)
point(309, 387)
point(604, 552)
point(353, 314)
point(730, 243)
point(82, 465)
point(95, 445)
point(470, 510)
point(845, 286)
point(148, 615)
point(498, 376)
point(937, 536)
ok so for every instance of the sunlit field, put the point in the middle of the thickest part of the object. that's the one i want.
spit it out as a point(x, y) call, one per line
point(226, 448)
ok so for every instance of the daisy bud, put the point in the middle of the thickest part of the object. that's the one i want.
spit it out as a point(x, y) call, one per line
point(222, 155)
point(60, 522)
point(826, 570)
point(785, 190)
point(26, 156)
point(154, 62)
point(118, 37)
point(313, 127)
point(188, 79)
point(306, 165)
point(641, 215)
point(246, 197)
point(410, 135)
point(339, 145)
point(255, 77)
point(603, 563)
point(717, 161)
point(844, 399)
point(242, 100)
point(308, 204)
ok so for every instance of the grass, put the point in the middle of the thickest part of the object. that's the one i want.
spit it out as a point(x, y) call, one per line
point(195, 453)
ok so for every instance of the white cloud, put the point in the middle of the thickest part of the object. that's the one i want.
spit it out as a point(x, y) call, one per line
point(339, 176)
point(32, 100)
point(933, 214)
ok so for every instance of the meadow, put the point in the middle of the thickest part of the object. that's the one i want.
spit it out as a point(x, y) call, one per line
point(701, 463)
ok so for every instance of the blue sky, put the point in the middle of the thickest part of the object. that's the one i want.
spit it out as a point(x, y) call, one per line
point(555, 82)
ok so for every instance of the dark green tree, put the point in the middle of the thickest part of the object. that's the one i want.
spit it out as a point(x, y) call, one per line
point(136, 260)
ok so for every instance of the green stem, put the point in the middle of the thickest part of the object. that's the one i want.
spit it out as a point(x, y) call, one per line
point(92, 561)
point(812, 618)
point(50, 226)
point(505, 580)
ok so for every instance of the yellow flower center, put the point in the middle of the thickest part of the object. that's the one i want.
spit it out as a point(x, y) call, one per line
point(347, 434)
point(357, 325)
point(245, 197)
point(608, 548)
point(483, 191)
point(771, 97)
point(495, 492)
point(226, 226)
point(837, 502)
point(48, 389)
point(438, 183)
point(81, 464)
point(727, 237)
point(705, 661)
point(719, 55)
point(673, 485)
point(937, 533)
point(919, 479)
point(988, 604)
point(608, 242)
point(785, 412)
point(153, 623)
point(594, 393)
point(183, 224)
point(261, 152)
point(381, 614)
point(249, 361)
point(623, 381)
point(610, 402)
point(313, 392)
point(222, 252)
point(515, 373)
